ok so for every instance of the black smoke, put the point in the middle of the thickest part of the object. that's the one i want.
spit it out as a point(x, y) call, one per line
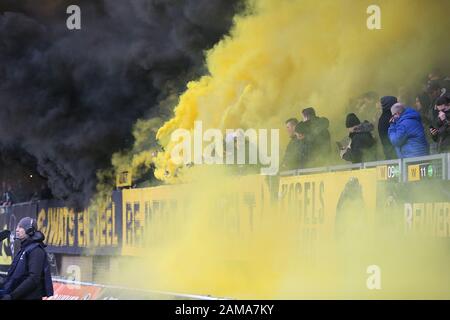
point(68, 99)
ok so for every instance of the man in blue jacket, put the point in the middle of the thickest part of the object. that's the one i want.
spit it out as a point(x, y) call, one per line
point(406, 132)
point(29, 276)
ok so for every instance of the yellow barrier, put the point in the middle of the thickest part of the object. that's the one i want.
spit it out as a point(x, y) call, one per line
point(317, 204)
point(148, 213)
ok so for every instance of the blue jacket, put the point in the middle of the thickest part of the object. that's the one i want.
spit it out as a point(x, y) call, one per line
point(408, 136)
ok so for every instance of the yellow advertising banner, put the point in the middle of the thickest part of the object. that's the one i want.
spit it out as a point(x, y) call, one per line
point(153, 216)
point(146, 216)
point(71, 231)
point(320, 205)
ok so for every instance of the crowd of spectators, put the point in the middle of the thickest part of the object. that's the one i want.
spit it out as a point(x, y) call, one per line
point(10, 196)
point(391, 129)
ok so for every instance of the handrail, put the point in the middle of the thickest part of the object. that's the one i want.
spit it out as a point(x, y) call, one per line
point(402, 164)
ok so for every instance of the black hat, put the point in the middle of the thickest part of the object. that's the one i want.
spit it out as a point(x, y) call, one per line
point(352, 120)
point(387, 102)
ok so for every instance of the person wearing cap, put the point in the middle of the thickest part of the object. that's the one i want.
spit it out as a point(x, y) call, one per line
point(441, 131)
point(383, 125)
point(29, 275)
point(406, 132)
point(362, 145)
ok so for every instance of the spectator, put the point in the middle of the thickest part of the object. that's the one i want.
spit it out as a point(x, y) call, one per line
point(441, 133)
point(366, 106)
point(423, 101)
point(301, 133)
point(46, 193)
point(34, 197)
point(435, 91)
point(383, 125)
point(291, 159)
point(8, 198)
point(317, 137)
point(406, 132)
point(436, 75)
point(362, 146)
point(29, 276)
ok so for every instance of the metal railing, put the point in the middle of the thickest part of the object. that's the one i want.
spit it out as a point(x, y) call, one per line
point(435, 166)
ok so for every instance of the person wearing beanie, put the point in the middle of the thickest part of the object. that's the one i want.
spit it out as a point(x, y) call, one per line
point(352, 121)
point(362, 146)
point(406, 132)
point(29, 275)
point(383, 125)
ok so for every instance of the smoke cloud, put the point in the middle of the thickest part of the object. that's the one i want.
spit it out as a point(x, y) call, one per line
point(69, 99)
point(289, 55)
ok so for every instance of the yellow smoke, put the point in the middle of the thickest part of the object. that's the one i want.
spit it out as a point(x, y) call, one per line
point(208, 245)
point(282, 56)
point(286, 55)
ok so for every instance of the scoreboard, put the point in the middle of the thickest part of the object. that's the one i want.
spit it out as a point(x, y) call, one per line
point(425, 171)
point(390, 172)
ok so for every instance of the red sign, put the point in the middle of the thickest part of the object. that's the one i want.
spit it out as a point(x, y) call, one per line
point(64, 291)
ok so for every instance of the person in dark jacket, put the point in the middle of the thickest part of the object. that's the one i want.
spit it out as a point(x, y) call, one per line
point(301, 134)
point(362, 147)
point(291, 159)
point(423, 101)
point(383, 125)
point(441, 133)
point(406, 132)
point(437, 76)
point(8, 197)
point(435, 91)
point(317, 137)
point(29, 276)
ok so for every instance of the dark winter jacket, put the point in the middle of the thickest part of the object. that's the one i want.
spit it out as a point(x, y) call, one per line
point(29, 276)
point(407, 135)
point(383, 126)
point(318, 141)
point(443, 136)
point(362, 146)
point(292, 156)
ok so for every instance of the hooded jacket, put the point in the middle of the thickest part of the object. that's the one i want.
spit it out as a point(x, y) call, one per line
point(408, 136)
point(318, 141)
point(29, 276)
point(292, 156)
point(383, 126)
point(362, 147)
